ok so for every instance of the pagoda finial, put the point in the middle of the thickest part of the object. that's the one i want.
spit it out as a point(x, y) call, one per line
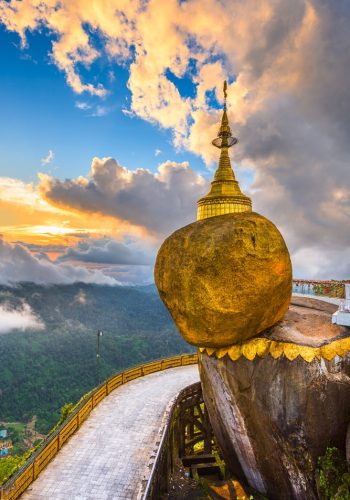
point(225, 195)
point(225, 93)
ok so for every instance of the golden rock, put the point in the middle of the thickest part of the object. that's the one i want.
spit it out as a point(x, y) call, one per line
point(225, 279)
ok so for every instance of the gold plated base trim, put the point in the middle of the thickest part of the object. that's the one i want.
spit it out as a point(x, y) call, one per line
point(263, 347)
point(229, 205)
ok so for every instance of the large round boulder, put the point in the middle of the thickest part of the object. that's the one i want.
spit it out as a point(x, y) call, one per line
point(225, 279)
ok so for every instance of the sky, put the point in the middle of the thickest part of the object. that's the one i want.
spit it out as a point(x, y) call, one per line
point(108, 109)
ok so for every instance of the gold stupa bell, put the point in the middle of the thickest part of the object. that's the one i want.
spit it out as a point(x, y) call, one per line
point(225, 196)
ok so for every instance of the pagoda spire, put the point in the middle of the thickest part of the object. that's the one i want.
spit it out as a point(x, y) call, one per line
point(225, 195)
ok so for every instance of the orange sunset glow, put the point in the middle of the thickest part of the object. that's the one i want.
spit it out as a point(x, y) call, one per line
point(113, 107)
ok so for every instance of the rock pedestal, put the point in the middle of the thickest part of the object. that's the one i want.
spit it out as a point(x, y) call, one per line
point(274, 417)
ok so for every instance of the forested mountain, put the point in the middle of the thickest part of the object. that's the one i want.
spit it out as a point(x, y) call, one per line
point(45, 367)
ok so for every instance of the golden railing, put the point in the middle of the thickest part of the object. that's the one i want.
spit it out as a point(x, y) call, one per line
point(18, 483)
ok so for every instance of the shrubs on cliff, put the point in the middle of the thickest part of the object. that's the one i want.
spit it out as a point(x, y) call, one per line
point(333, 478)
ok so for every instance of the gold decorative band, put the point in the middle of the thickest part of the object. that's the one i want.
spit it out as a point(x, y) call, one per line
point(262, 347)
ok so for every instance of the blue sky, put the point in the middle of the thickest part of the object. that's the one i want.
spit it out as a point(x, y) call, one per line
point(40, 113)
point(288, 104)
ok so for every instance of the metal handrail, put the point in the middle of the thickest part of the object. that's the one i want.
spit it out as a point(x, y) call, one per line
point(20, 481)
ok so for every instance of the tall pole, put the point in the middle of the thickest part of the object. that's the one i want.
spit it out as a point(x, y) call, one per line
point(98, 357)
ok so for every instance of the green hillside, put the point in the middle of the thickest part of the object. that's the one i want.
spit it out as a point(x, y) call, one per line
point(44, 369)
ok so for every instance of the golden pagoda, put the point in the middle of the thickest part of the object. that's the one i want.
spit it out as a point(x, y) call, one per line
point(225, 196)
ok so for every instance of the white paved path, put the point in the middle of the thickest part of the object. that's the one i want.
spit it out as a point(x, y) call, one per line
point(330, 300)
point(108, 457)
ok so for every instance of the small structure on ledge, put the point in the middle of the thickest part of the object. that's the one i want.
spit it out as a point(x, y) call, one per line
point(342, 316)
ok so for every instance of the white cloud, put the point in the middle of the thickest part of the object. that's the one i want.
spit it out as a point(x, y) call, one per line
point(22, 318)
point(314, 263)
point(101, 111)
point(96, 110)
point(130, 261)
point(83, 105)
point(131, 275)
point(158, 202)
point(127, 112)
point(15, 191)
point(166, 200)
point(17, 264)
point(110, 251)
point(157, 152)
point(48, 158)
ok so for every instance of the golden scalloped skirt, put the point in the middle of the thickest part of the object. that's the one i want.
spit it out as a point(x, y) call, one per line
point(263, 347)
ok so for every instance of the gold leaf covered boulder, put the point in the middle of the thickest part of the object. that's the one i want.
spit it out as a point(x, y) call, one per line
point(225, 279)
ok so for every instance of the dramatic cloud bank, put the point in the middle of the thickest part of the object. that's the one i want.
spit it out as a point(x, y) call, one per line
point(18, 319)
point(129, 261)
point(18, 264)
point(157, 202)
point(109, 251)
point(289, 98)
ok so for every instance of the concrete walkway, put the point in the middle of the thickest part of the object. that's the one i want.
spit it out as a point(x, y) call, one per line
point(109, 456)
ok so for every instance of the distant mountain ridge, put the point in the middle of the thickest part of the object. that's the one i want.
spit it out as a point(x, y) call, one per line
point(45, 367)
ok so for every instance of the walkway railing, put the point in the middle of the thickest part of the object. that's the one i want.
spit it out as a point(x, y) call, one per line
point(325, 288)
point(18, 483)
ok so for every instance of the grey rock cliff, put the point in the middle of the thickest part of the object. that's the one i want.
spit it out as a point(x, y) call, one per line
point(273, 417)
